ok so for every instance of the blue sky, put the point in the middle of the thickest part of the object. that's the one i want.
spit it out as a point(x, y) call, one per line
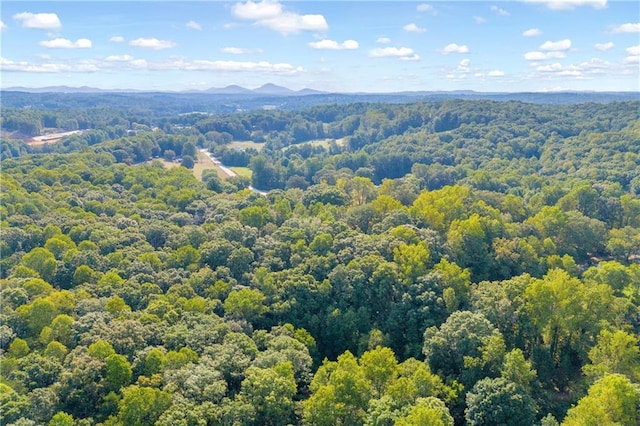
point(345, 46)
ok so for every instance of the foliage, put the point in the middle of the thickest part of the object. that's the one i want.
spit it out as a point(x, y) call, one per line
point(425, 263)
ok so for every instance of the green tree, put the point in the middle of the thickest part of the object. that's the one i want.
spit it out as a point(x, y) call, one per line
point(187, 161)
point(19, 348)
point(624, 243)
point(466, 347)
point(38, 314)
point(469, 243)
point(517, 369)
point(246, 303)
point(499, 402)
point(612, 400)
point(340, 393)
point(116, 305)
point(56, 350)
point(62, 419)
point(62, 330)
point(427, 411)
point(154, 362)
point(37, 287)
point(614, 352)
point(83, 274)
point(270, 391)
point(119, 372)
point(142, 405)
point(568, 315)
point(42, 261)
point(412, 259)
point(100, 349)
point(12, 405)
point(239, 262)
point(380, 368)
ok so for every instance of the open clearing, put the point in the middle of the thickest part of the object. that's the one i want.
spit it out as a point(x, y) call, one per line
point(325, 143)
point(247, 144)
point(205, 163)
point(50, 138)
point(242, 171)
point(168, 164)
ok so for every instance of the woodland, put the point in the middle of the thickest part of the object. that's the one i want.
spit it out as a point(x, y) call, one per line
point(444, 262)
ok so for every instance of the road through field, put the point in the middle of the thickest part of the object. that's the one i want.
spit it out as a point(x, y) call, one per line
point(227, 170)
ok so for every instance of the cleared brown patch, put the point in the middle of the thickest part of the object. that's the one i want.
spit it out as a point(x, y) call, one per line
point(50, 138)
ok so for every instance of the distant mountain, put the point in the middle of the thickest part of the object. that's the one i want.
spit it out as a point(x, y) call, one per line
point(229, 90)
point(69, 89)
point(306, 91)
point(268, 89)
point(272, 89)
point(233, 98)
point(58, 89)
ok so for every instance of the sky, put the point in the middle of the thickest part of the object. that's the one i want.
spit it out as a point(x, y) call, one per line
point(336, 46)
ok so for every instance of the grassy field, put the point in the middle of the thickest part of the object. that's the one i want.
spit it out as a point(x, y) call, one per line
point(325, 143)
point(247, 144)
point(242, 171)
point(167, 164)
point(205, 163)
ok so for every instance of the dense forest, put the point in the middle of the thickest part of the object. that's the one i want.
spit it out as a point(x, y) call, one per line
point(447, 262)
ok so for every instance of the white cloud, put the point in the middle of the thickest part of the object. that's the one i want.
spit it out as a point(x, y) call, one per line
point(582, 70)
point(413, 28)
point(119, 58)
point(455, 48)
point(424, 7)
point(334, 45)
point(117, 39)
point(570, 4)
point(479, 19)
point(603, 47)
point(23, 66)
point(633, 50)
point(239, 50)
point(535, 56)
point(496, 73)
point(193, 25)
point(139, 64)
point(627, 28)
point(124, 62)
point(533, 32)
point(403, 53)
point(463, 66)
point(231, 66)
point(499, 11)
point(41, 21)
point(550, 68)
point(63, 43)
point(540, 56)
point(271, 14)
point(556, 46)
point(254, 11)
point(291, 23)
point(383, 40)
point(632, 59)
point(152, 43)
point(3, 26)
